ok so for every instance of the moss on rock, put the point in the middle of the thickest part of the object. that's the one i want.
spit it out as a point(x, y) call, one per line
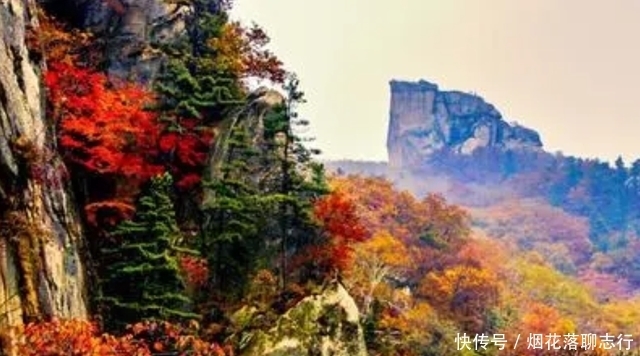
point(323, 324)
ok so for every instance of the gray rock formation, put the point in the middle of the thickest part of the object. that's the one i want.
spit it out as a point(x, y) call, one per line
point(324, 324)
point(132, 29)
point(41, 241)
point(425, 120)
point(250, 118)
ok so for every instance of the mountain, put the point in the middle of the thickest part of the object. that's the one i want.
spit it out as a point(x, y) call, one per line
point(575, 221)
point(459, 145)
point(424, 121)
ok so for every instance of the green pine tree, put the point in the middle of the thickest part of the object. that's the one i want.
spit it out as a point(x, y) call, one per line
point(231, 238)
point(192, 84)
point(299, 179)
point(142, 277)
point(195, 91)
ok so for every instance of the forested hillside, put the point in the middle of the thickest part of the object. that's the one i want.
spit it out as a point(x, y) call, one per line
point(435, 271)
point(576, 217)
point(190, 196)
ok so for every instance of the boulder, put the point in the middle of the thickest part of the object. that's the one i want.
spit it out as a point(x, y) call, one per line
point(324, 324)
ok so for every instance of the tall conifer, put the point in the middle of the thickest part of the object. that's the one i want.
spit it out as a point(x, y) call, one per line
point(142, 279)
point(299, 180)
point(231, 232)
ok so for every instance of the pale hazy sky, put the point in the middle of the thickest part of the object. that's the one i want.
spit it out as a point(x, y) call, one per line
point(568, 68)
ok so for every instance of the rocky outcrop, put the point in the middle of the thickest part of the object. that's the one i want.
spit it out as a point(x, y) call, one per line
point(41, 241)
point(425, 120)
point(133, 30)
point(249, 117)
point(324, 324)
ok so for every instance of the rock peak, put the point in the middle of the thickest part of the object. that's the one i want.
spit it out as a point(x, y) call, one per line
point(408, 86)
point(425, 120)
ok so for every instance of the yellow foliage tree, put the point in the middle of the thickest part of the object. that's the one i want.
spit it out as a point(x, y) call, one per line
point(413, 324)
point(376, 259)
point(463, 293)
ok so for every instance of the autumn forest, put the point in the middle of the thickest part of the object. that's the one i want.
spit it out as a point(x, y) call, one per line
point(208, 221)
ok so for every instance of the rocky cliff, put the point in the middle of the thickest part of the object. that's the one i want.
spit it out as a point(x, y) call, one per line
point(130, 31)
point(425, 120)
point(41, 239)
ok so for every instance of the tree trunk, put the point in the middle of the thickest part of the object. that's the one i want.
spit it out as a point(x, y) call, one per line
point(41, 241)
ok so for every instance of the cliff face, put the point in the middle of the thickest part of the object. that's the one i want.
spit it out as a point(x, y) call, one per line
point(132, 30)
point(250, 118)
point(425, 120)
point(41, 242)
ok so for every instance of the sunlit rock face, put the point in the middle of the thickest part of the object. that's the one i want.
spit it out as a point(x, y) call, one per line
point(325, 324)
point(42, 244)
point(425, 121)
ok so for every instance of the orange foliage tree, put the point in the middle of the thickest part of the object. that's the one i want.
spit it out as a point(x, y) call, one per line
point(464, 293)
point(381, 207)
point(376, 259)
point(338, 219)
point(58, 43)
point(242, 51)
point(446, 223)
point(414, 324)
point(545, 320)
point(430, 228)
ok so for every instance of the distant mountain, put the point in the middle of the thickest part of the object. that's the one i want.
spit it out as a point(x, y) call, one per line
point(425, 121)
point(458, 144)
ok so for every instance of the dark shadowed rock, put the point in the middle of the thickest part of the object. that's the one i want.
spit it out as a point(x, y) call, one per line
point(249, 117)
point(132, 30)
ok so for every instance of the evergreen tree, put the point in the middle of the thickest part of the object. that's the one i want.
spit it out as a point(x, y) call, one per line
point(299, 180)
point(196, 91)
point(142, 278)
point(619, 213)
point(231, 218)
point(261, 206)
point(193, 84)
point(632, 186)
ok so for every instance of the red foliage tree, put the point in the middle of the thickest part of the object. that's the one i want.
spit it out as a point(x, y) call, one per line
point(105, 132)
point(74, 338)
point(189, 150)
point(338, 218)
point(102, 129)
point(196, 270)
